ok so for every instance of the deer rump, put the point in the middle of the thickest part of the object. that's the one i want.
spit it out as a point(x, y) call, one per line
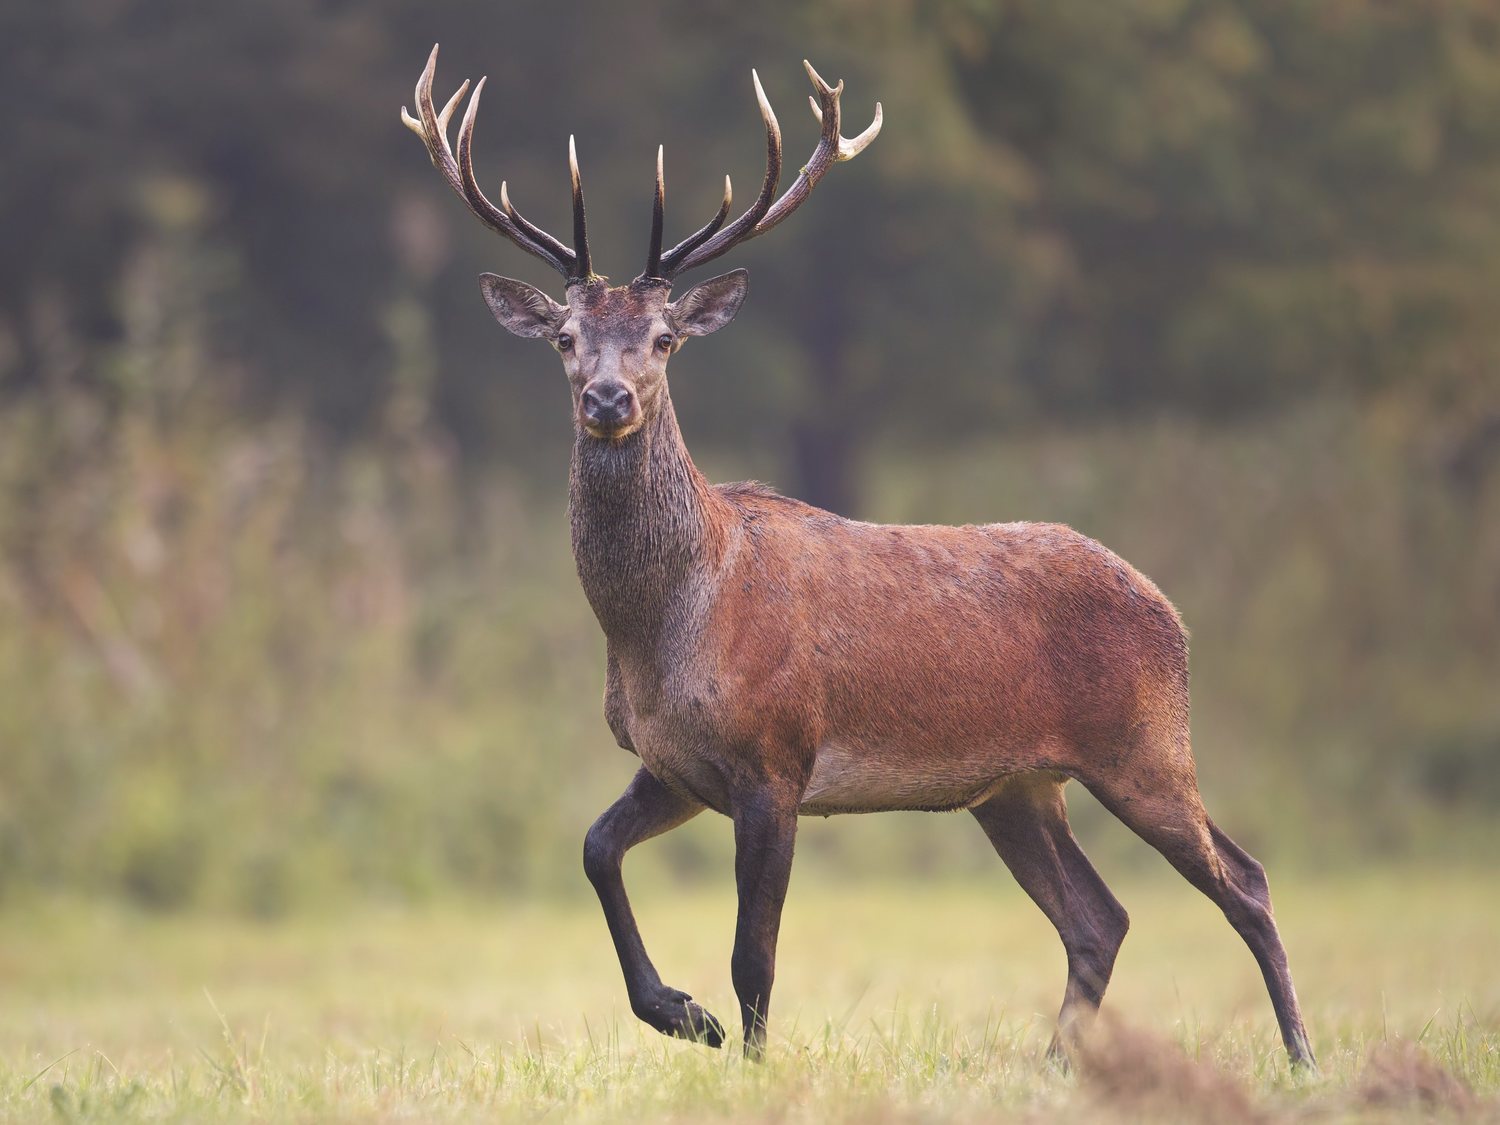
point(910, 667)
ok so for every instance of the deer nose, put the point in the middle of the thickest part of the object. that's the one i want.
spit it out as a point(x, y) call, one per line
point(606, 404)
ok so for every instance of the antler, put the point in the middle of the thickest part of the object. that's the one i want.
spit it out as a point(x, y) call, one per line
point(432, 127)
point(710, 242)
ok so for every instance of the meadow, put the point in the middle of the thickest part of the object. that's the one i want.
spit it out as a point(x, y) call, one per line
point(300, 724)
point(299, 746)
point(896, 1000)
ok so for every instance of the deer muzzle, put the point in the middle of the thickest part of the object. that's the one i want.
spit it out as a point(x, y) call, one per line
point(608, 407)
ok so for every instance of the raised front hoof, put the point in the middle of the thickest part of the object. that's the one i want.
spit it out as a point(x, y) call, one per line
point(673, 1013)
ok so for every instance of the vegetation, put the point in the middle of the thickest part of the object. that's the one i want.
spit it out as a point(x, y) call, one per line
point(240, 669)
point(940, 1010)
point(300, 721)
point(287, 617)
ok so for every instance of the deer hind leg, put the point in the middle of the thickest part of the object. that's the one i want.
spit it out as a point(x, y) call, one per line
point(646, 809)
point(1164, 808)
point(1027, 821)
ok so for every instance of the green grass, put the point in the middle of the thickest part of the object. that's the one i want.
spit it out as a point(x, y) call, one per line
point(893, 1002)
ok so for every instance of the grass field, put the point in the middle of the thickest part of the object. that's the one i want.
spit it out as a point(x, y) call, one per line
point(893, 1002)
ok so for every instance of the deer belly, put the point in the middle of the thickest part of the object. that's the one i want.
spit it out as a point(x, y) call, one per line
point(867, 779)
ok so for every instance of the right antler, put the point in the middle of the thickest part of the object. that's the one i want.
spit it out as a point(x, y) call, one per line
point(433, 129)
point(710, 242)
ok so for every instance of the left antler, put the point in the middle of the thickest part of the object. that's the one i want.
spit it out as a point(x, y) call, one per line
point(710, 242)
point(432, 127)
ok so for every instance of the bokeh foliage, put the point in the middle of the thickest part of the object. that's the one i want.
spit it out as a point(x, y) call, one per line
point(286, 609)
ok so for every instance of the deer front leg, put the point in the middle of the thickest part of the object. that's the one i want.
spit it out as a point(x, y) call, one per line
point(765, 832)
point(647, 808)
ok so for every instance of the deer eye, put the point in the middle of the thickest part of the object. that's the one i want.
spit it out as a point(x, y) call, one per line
point(664, 341)
point(564, 343)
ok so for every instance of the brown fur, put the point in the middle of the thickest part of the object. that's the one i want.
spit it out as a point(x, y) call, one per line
point(768, 659)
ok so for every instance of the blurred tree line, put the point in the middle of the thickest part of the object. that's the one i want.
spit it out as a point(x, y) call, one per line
point(1212, 279)
point(1210, 206)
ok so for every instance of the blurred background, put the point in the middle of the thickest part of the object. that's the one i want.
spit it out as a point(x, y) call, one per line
point(287, 612)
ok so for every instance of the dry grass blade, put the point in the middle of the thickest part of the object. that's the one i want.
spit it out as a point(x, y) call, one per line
point(1402, 1075)
point(1136, 1074)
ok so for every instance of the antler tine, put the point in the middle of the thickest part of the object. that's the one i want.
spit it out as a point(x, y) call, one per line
point(442, 119)
point(530, 229)
point(447, 114)
point(428, 128)
point(584, 268)
point(704, 245)
point(528, 236)
point(699, 236)
point(827, 153)
point(658, 215)
point(432, 127)
point(829, 117)
point(832, 148)
point(745, 226)
point(848, 149)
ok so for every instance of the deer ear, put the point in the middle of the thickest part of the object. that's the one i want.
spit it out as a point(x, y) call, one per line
point(523, 309)
point(711, 305)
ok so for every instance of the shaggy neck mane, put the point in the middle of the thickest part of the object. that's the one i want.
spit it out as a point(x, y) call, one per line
point(644, 521)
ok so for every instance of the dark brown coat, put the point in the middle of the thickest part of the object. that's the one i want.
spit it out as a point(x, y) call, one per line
point(767, 659)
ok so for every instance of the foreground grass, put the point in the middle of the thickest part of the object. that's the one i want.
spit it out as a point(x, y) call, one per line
point(893, 1002)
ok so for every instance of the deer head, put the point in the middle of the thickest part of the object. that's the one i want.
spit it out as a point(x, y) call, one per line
point(615, 340)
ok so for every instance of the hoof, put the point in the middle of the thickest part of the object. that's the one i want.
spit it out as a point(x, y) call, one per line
point(1300, 1056)
point(673, 1013)
point(1060, 1054)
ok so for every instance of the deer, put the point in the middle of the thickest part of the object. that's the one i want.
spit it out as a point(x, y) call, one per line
point(769, 660)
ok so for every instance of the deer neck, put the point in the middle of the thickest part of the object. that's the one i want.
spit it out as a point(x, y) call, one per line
point(646, 527)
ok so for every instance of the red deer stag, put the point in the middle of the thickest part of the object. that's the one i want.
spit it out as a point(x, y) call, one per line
point(769, 660)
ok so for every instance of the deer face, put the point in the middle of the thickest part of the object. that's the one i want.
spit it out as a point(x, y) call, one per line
point(615, 342)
